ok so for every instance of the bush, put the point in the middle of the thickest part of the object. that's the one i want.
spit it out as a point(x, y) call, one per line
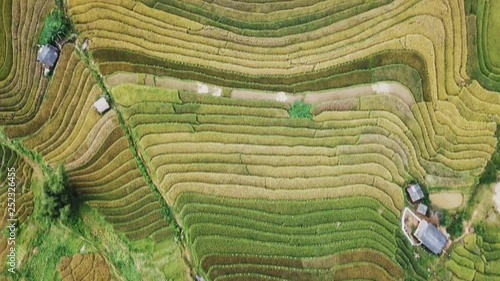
point(490, 173)
point(56, 27)
point(456, 227)
point(300, 109)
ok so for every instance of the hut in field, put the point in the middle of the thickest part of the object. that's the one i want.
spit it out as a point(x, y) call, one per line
point(101, 105)
point(431, 237)
point(422, 209)
point(47, 55)
point(415, 192)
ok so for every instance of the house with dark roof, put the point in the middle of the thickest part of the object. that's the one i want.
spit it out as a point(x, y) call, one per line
point(431, 237)
point(415, 192)
point(47, 55)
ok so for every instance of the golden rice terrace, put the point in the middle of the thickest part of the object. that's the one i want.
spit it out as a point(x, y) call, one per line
point(249, 140)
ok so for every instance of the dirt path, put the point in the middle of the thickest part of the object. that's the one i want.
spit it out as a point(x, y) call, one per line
point(496, 197)
point(265, 95)
point(380, 88)
point(118, 78)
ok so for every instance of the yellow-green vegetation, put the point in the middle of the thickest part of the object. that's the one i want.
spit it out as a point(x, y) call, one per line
point(14, 170)
point(485, 64)
point(21, 83)
point(89, 266)
point(101, 171)
point(477, 257)
point(171, 183)
point(247, 185)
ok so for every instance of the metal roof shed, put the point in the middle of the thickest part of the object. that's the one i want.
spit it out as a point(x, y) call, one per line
point(431, 237)
point(48, 54)
point(415, 192)
point(422, 209)
point(101, 105)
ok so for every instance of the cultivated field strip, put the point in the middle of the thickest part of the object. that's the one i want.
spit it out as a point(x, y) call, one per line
point(478, 258)
point(419, 140)
point(221, 228)
point(21, 82)
point(110, 180)
point(270, 19)
point(55, 93)
point(289, 267)
point(481, 26)
point(90, 266)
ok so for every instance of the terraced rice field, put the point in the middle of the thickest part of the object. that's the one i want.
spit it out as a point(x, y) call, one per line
point(478, 258)
point(99, 162)
point(94, 150)
point(486, 64)
point(228, 183)
point(21, 84)
point(22, 176)
point(251, 182)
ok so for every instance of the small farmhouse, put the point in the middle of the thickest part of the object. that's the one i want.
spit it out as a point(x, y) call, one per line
point(422, 209)
point(101, 105)
point(415, 192)
point(47, 55)
point(431, 237)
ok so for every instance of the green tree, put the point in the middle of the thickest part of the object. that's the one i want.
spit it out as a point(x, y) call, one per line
point(456, 227)
point(300, 109)
point(56, 27)
point(57, 198)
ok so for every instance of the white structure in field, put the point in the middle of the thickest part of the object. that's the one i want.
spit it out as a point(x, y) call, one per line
point(281, 97)
point(217, 92)
point(205, 89)
point(381, 88)
point(101, 105)
point(422, 209)
point(202, 88)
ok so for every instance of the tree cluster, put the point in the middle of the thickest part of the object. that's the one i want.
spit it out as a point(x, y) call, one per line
point(56, 27)
point(57, 197)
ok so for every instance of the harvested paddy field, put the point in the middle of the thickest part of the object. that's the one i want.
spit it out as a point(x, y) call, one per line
point(447, 200)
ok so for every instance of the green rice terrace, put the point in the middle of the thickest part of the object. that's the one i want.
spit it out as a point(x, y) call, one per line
point(249, 140)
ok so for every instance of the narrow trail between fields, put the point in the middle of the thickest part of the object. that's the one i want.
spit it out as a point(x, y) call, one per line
point(496, 197)
point(171, 219)
point(389, 88)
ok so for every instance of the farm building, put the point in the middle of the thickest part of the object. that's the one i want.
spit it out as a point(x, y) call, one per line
point(422, 209)
point(47, 55)
point(101, 105)
point(431, 237)
point(415, 192)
